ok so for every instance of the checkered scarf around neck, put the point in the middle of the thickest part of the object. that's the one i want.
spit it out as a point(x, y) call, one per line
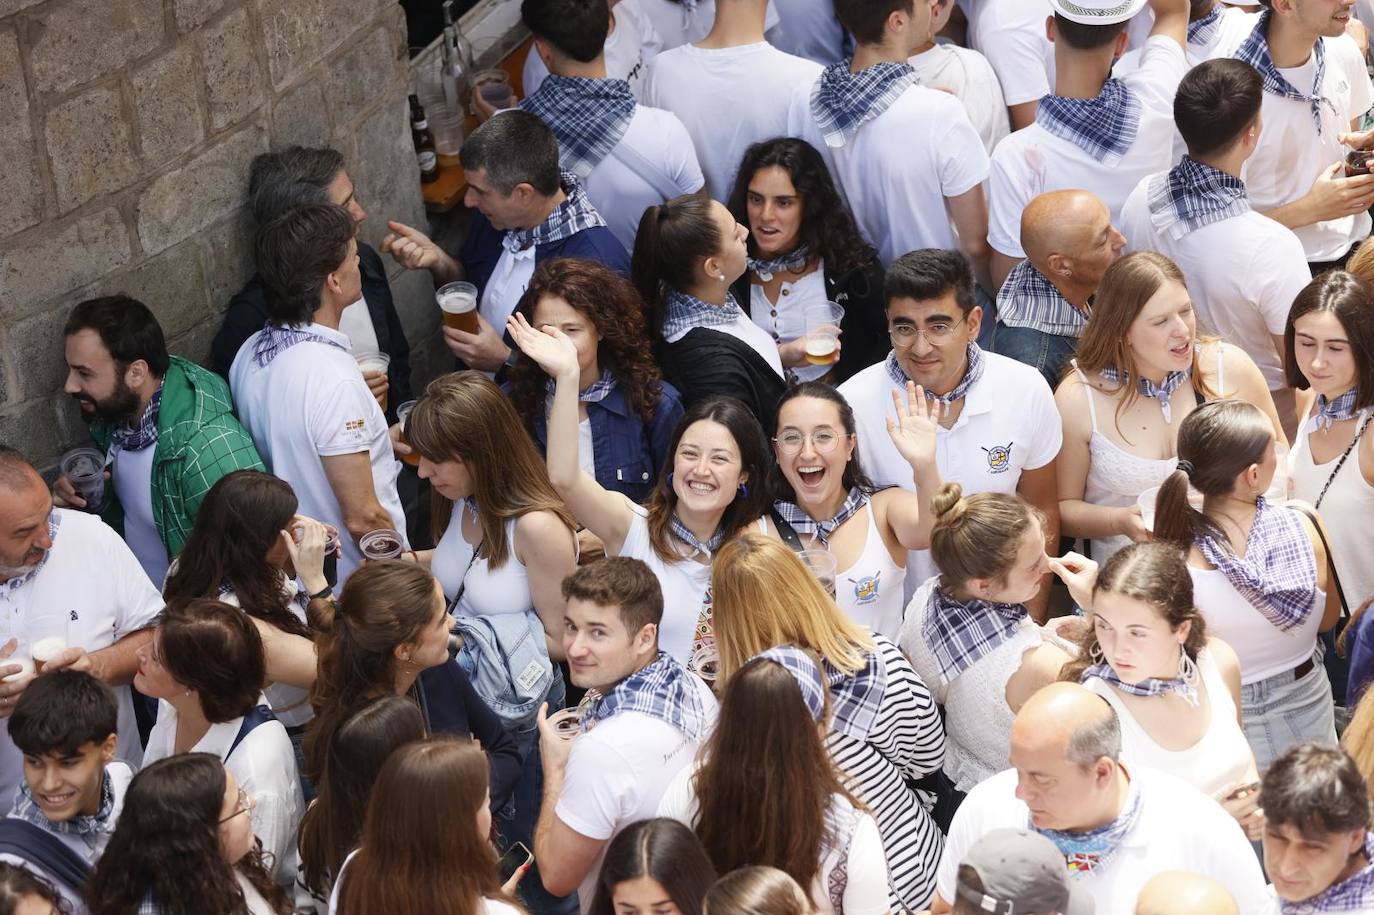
point(276, 339)
point(87, 826)
point(1332, 411)
point(805, 525)
point(801, 664)
point(855, 697)
point(1255, 52)
point(1103, 127)
point(144, 433)
point(1202, 31)
point(1148, 389)
point(588, 116)
point(1186, 687)
point(842, 101)
point(1192, 195)
point(960, 632)
point(707, 547)
point(1089, 853)
point(575, 214)
point(971, 375)
point(682, 311)
point(1355, 894)
point(14, 584)
point(595, 392)
point(661, 690)
point(1278, 575)
point(1029, 293)
point(793, 262)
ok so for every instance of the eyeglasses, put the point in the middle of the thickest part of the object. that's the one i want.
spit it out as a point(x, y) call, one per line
point(245, 804)
point(935, 334)
point(823, 440)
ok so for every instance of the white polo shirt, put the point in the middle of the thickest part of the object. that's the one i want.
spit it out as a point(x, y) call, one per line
point(690, 82)
point(1242, 275)
point(898, 168)
point(1290, 154)
point(1011, 35)
point(1008, 425)
point(1180, 828)
point(967, 75)
point(678, 23)
point(1032, 161)
point(309, 403)
point(90, 593)
point(628, 49)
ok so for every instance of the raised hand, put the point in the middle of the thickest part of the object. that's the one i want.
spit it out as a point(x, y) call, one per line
point(1079, 575)
point(550, 348)
point(916, 425)
point(410, 247)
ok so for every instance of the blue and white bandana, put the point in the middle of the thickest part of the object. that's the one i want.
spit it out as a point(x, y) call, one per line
point(806, 525)
point(707, 548)
point(1332, 411)
point(86, 826)
point(1278, 575)
point(971, 375)
point(573, 215)
point(1255, 52)
point(1148, 389)
point(1355, 894)
point(802, 666)
point(1103, 127)
point(1029, 299)
point(683, 311)
point(842, 101)
point(766, 268)
point(960, 633)
point(145, 432)
point(1202, 31)
point(14, 584)
point(1186, 687)
point(855, 698)
point(588, 116)
point(276, 339)
point(1089, 853)
point(1193, 194)
point(595, 392)
point(662, 690)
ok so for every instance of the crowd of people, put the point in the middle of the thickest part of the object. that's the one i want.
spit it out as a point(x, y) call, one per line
point(903, 456)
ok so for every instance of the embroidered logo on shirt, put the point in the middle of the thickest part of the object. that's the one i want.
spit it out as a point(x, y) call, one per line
point(866, 588)
point(355, 425)
point(999, 458)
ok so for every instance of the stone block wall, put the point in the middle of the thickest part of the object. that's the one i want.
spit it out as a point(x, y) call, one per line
point(126, 131)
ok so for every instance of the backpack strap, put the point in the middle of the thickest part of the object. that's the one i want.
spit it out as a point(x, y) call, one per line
point(786, 532)
point(257, 715)
point(37, 846)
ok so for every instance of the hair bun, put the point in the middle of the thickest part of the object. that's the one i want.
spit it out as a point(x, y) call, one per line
point(949, 504)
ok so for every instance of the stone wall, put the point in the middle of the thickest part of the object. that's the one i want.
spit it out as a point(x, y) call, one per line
point(126, 131)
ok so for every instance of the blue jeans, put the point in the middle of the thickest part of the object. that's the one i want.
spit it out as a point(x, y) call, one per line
point(1280, 711)
point(1048, 354)
point(989, 306)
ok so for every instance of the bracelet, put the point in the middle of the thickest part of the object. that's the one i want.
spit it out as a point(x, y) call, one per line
point(326, 591)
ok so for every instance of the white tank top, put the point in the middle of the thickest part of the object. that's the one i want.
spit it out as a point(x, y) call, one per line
point(1264, 649)
point(1220, 758)
point(871, 589)
point(486, 591)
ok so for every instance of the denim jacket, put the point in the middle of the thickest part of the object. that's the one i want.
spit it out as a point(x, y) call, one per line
point(506, 657)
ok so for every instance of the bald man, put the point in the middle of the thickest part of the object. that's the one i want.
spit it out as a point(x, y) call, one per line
point(1044, 304)
point(1184, 893)
point(1116, 825)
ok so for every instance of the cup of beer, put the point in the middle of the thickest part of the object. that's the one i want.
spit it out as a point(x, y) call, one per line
point(382, 544)
point(822, 564)
point(85, 468)
point(458, 302)
point(567, 723)
point(706, 662)
point(375, 362)
point(402, 412)
point(823, 332)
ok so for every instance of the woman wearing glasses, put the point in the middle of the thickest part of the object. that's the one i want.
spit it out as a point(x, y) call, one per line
point(824, 495)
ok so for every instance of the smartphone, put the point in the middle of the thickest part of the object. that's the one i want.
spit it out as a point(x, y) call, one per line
point(516, 857)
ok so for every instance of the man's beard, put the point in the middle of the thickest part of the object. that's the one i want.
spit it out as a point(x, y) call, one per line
point(119, 407)
point(8, 572)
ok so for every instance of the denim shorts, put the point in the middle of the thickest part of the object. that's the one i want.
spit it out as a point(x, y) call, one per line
point(1281, 711)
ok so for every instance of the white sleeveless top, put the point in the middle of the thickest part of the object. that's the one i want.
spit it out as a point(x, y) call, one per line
point(290, 704)
point(486, 591)
point(1264, 649)
point(1220, 758)
point(1346, 511)
point(870, 591)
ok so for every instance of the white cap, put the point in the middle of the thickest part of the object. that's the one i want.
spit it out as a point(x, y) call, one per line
point(1098, 12)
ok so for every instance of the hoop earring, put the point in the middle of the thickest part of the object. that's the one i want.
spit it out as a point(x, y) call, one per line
point(1187, 669)
point(1095, 653)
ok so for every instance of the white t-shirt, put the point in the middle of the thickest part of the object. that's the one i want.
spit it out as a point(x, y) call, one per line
point(132, 475)
point(1242, 275)
point(488, 906)
point(629, 48)
point(90, 593)
point(618, 771)
point(1291, 154)
point(1032, 161)
point(967, 75)
point(899, 167)
point(691, 81)
point(810, 29)
point(678, 24)
point(356, 324)
point(1011, 34)
point(1008, 425)
point(1180, 828)
point(1232, 28)
point(308, 403)
point(621, 194)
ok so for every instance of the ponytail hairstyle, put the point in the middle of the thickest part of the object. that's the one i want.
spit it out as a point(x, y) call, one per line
point(1216, 442)
point(977, 536)
point(673, 238)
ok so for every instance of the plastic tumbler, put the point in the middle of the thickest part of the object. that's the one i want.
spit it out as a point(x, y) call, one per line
point(821, 563)
point(402, 412)
point(375, 362)
point(382, 544)
point(85, 468)
point(458, 302)
point(823, 332)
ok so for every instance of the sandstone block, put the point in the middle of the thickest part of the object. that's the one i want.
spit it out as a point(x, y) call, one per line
point(192, 14)
point(233, 82)
point(35, 351)
point(366, 73)
point(76, 41)
point(171, 284)
point(168, 105)
point(299, 33)
point(205, 190)
point(21, 187)
point(49, 261)
point(228, 259)
point(301, 117)
point(90, 147)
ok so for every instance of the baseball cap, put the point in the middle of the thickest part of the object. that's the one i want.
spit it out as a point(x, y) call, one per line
point(1022, 872)
point(1098, 12)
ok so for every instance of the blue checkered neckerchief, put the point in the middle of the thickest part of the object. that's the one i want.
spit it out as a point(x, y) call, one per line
point(1354, 894)
point(801, 664)
point(1087, 854)
point(1202, 31)
point(706, 548)
point(86, 826)
point(663, 689)
point(1254, 50)
point(682, 311)
point(1028, 299)
point(806, 525)
point(792, 262)
point(275, 339)
point(1193, 194)
point(961, 632)
point(1278, 575)
point(588, 116)
point(971, 375)
point(1186, 687)
point(856, 697)
point(573, 215)
point(1148, 389)
point(595, 392)
point(1103, 127)
point(842, 101)
point(145, 433)
point(1332, 411)
point(14, 584)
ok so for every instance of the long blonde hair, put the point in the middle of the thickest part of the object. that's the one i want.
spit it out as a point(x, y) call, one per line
point(1358, 738)
point(764, 597)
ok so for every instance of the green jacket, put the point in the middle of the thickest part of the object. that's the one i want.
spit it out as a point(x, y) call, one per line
point(198, 441)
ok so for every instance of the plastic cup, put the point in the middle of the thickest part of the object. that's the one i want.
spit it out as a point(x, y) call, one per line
point(822, 346)
point(26, 668)
point(1357, 162)
point(44, 650)
point(375, 362)
point(822, 564)
point(402, 412)
point(706, 662)
point(382, 544)
point(1146, 501)
point(566, 723)
point(458, 302)
point(331, 552)
point(85, 468)
point(495, 88)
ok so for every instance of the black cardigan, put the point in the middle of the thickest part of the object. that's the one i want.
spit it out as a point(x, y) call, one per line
point(710, 363)
point(451, 706)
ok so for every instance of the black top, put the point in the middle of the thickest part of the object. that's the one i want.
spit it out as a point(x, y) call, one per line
point(451, 706)
point(708, 363)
